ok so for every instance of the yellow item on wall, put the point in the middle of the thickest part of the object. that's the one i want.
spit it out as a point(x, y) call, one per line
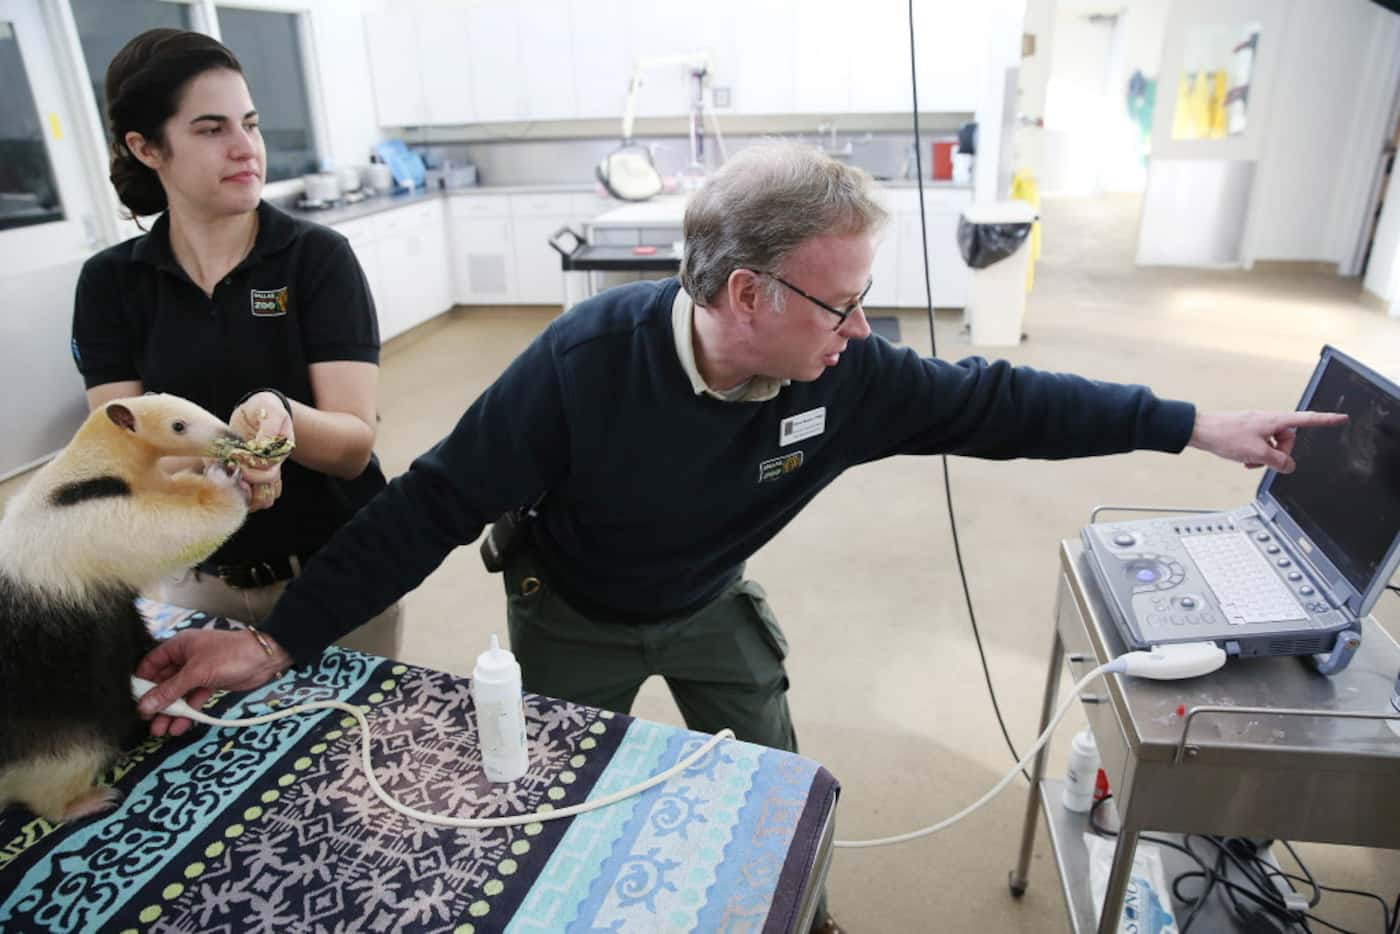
point(1217, 106)
point(1182, 125)
point(1024, 188)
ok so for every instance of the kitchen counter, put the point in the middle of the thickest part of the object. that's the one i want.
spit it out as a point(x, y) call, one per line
point(913, 183)
point(377, 204)
point(380, 203)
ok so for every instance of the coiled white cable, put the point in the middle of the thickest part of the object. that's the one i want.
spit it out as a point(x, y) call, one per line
point(996, 789)
point(181, 709)
point(1169, 662)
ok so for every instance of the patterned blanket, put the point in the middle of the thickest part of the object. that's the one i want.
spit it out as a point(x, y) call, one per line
point(274, 828)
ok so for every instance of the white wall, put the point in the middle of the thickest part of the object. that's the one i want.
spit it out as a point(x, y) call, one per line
point(1308, 197)
point(997, 103)
point(1078, 82)
point(1193, 212)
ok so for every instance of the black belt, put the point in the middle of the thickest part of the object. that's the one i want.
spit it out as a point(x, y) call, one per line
point(250, 575)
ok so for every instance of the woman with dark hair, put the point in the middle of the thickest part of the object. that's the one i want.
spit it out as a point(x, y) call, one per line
point(261, 318)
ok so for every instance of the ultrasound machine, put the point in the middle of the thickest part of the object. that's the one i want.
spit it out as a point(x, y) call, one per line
point(1296, 570)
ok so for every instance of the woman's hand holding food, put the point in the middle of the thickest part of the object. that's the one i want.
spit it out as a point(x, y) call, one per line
point(265, 424)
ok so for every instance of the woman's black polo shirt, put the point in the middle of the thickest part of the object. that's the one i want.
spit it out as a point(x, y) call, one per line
point(298, 298)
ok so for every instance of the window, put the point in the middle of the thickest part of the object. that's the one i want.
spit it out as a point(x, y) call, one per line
point(28, 192)
point(104, 26)
point(268, 45)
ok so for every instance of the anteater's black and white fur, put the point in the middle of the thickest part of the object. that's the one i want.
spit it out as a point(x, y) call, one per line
point(94, 527)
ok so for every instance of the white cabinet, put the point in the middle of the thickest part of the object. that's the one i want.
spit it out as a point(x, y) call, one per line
point(500, 252)
point(403, 252)
point(502, 61)
point(884, 274)
point(415, 258)
point(538, 275)
point(822, 63)
point(878, 81)
point(419, 65)
point(392, 41)
point(546, 45)
point(602, 54)
point(497, 71)
point(949, 275)
point(534, 218)
point(483, 255)
point(658, 31)
point(762, 79)
point(364, 238)
point(953, 42)
point(447, 80)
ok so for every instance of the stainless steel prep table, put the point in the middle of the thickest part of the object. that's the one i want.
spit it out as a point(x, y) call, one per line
point(1262, 748)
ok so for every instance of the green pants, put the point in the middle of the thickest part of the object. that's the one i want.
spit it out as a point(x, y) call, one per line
point(723, 663)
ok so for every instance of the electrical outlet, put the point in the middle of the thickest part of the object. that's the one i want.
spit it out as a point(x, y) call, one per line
point(720, 97)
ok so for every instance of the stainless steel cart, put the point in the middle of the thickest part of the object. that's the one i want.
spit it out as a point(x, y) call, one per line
point(1264, 748)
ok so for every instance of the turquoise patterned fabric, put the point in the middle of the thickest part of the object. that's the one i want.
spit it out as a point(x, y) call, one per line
point(273, 828)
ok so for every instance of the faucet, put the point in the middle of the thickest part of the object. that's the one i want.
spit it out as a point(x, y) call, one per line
point(827, 128)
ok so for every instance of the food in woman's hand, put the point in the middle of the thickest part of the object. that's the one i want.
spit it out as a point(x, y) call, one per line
point(272, 449)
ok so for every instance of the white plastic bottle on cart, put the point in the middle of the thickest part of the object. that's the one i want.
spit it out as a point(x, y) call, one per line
point(500, 714)
point(1082, 772)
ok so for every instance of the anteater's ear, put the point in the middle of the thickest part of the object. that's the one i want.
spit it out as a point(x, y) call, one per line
point(122, 416)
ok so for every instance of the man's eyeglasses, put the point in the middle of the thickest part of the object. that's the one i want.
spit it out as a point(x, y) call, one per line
point(841, 313)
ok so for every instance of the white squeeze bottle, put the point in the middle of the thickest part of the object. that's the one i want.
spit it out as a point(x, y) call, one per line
point(500, 714)
point(1083, 771)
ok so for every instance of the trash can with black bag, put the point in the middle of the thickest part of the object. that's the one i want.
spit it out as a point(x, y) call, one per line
point(992, 237)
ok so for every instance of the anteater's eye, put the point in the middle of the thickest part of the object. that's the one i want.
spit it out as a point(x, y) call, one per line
point(178, 427)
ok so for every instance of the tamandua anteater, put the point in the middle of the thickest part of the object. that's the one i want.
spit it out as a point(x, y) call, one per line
point(94, 527)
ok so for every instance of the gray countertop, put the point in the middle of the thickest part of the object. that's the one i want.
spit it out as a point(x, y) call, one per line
point(375, 204)
point(379, 203)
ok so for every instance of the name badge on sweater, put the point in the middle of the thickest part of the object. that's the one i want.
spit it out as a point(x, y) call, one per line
point(802, 426)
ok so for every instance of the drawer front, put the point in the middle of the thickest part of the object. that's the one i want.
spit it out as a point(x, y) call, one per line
point(901, 200)
point(906, 200)
point(479, 205)
point(361, 230)
point(591, 205)
point(541, 205)
point(415, 217)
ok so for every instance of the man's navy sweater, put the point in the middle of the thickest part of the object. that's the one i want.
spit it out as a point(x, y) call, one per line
point(658, 495)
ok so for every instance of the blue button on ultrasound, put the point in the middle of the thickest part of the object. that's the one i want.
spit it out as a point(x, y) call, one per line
point(1146, 575)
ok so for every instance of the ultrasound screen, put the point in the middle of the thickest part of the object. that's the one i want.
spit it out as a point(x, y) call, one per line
point(1345, 494)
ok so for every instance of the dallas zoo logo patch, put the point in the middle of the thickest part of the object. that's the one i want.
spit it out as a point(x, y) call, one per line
point(269, 303)
point(778, 467)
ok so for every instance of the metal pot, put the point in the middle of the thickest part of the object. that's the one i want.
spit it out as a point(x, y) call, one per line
point(321, 187)
point(349, 178)
point(378, 178)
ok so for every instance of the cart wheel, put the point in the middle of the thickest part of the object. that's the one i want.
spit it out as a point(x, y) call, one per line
point(1018, 888)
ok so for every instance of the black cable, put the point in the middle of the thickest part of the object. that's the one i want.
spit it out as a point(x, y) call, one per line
point(1263, 893)
point(1313, 917)
point(1385, 906)
point(1392, 587)
point(1317, 892)
point(1205, 872)
point(933, 351)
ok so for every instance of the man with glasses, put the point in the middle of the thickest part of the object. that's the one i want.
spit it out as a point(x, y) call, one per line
point(664, 432)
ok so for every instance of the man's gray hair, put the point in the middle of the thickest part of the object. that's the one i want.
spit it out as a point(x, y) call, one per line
point(761, 205)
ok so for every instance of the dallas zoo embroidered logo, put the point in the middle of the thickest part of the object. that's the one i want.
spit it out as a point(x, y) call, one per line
point(269, 303)
point(778, 467)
